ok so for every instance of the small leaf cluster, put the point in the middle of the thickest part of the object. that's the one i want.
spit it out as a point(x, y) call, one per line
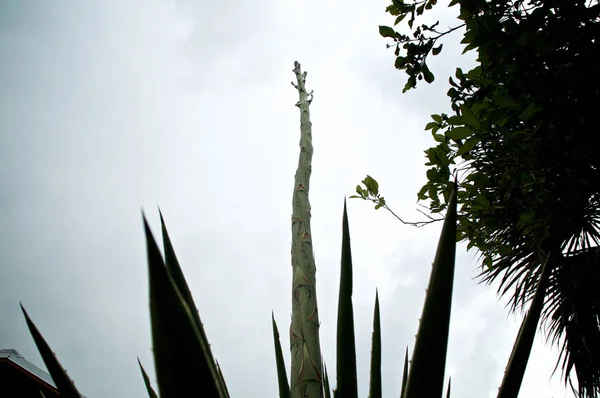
point(370, 192)
point(411, 51)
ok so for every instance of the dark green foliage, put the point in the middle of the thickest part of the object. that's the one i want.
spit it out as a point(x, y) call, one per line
point(347, 386)
point(523, 140)
point(62, 381)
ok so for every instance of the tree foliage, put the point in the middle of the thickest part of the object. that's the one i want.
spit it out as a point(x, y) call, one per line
point(523, 142)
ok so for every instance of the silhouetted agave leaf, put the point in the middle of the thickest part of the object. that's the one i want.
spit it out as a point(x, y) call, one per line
point(426, 374)
point(448, 392)
point(327, 388)
point(151, 392)
point(517, 363)
point(284, 387)
point(174, 270)
point(375, 384)
point(346, 350)
point(222, 380)
point(182, 359)
point(64, 384)
point(404, 374)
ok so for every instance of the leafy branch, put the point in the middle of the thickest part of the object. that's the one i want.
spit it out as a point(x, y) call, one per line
point(371, 192)
point(417, 49)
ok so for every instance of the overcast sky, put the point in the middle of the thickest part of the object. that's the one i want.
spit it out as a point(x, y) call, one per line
point(107, 107)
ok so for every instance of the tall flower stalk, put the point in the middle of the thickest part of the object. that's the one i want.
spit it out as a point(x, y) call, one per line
point(306, 380)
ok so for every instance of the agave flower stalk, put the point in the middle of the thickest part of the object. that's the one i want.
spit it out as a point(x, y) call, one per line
point(306, 378)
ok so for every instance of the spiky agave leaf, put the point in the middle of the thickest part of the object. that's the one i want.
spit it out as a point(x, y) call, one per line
point(284, 387)
point(404, 374)
point(64, 384)
point(517, 363)
point(448, 392)
point(346, 348)
point(174, 269)
point(326, 386)
point(151, 392)
point(182, 358)
point(222, 380)
point(375, 384)
point(306, 378)
point(426, 374)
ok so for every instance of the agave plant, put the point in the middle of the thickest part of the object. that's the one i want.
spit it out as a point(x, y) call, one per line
point(183, 358)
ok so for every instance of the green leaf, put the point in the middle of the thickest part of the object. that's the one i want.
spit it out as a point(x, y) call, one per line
point(439, 137)
point(468, 145)
point(387, 31)
point(469, 48)
point(517, 363)
point(428, 76)
point(371, 185)
point(459, 133)
point(456, 120)
point(400, 62)
point(399, 18)
point(411, 83)
point(62, 381)
point(375, 384)
point(426, 375)
point(359, 190)
point(437, 118)
point(151, 392)
point(284, 387)
point(506, 101)
point(422, 193)
point(346, 349)
point(430, 125)
point(531, 110)
point(436, 50)
point(181, 356)
point(432, 175)
point(469, 117)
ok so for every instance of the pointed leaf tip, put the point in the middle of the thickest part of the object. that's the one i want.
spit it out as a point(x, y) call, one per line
point(63, 383)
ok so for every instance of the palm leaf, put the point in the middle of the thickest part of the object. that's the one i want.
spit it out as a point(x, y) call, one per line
point(513, 377)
